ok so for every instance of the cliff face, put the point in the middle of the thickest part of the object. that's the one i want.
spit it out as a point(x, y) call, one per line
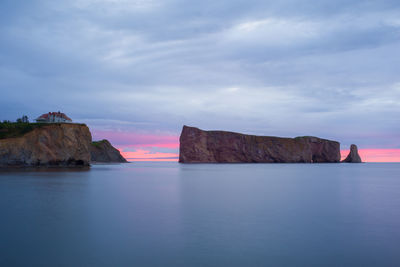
point(198, 146)
point(53, 145)
point(103, 151)
point(353, 156)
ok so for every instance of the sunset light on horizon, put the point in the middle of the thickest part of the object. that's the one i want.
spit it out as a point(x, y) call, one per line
point(159, 147)
point(376, 155)
point(142, 154)
point(147, 155)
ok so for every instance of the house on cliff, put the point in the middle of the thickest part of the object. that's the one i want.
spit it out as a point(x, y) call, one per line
point(54, 117)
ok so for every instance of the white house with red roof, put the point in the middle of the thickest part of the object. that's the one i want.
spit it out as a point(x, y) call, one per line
point(53, 117)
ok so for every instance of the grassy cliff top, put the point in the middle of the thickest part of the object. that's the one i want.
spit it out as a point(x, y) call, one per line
point(98, 143)
point(18, 129)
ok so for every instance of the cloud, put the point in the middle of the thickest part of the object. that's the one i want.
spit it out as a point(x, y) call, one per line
point(145, 68)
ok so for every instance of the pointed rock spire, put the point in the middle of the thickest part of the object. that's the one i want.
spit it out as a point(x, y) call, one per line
point(353, 156)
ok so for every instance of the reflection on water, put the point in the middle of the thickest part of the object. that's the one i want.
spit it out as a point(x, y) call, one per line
point(43, 169)
point(167, 214)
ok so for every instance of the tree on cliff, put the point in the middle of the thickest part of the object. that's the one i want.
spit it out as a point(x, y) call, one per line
point(23, 119)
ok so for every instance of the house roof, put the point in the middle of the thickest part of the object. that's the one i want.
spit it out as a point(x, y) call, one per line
point(55, 114)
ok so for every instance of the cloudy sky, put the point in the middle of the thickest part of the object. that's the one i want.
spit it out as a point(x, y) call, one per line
point(137, 70)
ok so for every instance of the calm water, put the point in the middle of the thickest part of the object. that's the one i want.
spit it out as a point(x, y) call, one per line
point(167, 214)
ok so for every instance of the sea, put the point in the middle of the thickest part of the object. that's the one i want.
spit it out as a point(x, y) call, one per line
point(170, 214)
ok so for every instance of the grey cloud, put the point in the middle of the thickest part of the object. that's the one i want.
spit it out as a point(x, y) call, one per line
point(289, 68)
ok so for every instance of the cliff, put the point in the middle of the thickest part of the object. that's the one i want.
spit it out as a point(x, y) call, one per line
point(198, 146)
point(103, 151)
point(57, 144)
point(353, 156)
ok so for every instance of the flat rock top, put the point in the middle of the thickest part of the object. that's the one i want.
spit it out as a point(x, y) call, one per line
point(222, 146)
point(55, 144)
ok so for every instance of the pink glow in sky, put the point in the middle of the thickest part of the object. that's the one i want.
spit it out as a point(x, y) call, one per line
point(367, 155)
point(143, 147)
point(146, 155)
point(376, 155)
point(129, 139)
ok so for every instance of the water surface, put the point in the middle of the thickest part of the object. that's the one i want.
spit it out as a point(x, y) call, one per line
point(169, 214)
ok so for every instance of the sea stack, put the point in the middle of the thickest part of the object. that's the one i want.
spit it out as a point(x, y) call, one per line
point(353, 156)
point(198, 146)
point(103, 151)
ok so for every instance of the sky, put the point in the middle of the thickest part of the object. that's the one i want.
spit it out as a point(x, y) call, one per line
point(136, 71)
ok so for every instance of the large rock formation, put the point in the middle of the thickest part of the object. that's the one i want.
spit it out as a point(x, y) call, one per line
point(103, 151)
point(58, 144)
point(353, 156)
point(198, 146)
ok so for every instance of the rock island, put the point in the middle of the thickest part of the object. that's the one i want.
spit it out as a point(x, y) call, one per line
point(198, 146)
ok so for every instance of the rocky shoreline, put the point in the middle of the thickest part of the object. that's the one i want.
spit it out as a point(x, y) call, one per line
point(103, 152)
point(70, 145)
point(56, 145)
